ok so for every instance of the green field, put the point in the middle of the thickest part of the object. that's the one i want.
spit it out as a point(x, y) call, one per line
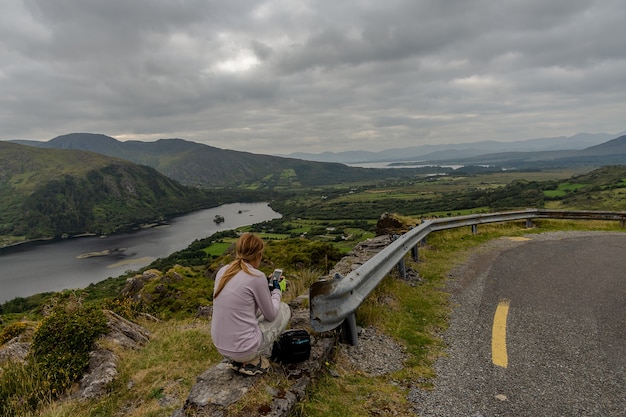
point(563, 189)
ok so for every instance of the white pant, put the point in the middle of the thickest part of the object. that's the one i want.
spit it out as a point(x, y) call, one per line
point(270, 331)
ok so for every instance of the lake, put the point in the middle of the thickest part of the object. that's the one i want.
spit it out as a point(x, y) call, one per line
point(406, 164)
point(67, 264)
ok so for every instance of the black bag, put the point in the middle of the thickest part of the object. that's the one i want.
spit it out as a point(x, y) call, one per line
point(292, 346)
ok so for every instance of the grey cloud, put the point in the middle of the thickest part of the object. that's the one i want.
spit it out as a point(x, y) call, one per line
point(261, 50)
point(312, 76)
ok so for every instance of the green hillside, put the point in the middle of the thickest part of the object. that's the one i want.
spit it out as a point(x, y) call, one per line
point(51, 192)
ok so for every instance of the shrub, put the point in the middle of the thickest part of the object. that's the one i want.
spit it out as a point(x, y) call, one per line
point(12, 330)
point(301, 253)
point(178, 293)
point(126, 307)
point(62, 343)
point(59, 355)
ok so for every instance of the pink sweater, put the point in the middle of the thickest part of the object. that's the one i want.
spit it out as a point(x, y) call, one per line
point(234, 327)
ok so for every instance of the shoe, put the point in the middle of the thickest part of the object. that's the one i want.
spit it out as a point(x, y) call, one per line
point(233, 365)
point(261, 367)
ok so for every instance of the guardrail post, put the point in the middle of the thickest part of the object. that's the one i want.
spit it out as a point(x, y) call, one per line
point(348, 330)
point(400, 265)
point(529, 223)
point(474, 229)
point(402, 269)
point(414, 254)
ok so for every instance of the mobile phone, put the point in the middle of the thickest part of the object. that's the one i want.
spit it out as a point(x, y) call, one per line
point(276, 279)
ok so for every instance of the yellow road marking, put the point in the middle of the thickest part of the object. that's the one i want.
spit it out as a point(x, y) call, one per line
point(499, 356)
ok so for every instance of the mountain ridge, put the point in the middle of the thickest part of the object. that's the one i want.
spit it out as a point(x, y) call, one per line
point(607, 153)
point(205, 166)
point(431, 152)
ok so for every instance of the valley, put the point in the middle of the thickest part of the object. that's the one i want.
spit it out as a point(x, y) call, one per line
point(325, 210)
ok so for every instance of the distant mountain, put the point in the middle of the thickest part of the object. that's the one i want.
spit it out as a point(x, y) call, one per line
point(521, 154)
point(615, 146)
point(459, 150)
point(53, 192)
point(200, 165)
point(346, 157)
point(204, 166)
point(611, 152)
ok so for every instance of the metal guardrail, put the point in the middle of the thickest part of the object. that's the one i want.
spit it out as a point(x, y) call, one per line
point(333, 302)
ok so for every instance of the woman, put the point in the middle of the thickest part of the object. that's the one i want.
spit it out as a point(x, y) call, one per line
point(247, 317)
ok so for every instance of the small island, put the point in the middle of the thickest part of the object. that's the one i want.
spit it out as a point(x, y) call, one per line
point(105, 252)
point(218, 219)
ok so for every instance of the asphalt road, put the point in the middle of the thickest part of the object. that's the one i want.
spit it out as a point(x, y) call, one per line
point(564, 335)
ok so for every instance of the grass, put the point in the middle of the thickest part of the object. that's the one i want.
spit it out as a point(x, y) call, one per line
point(299, 283)
point(218, 248)
point(350, 393)
point(162, 372)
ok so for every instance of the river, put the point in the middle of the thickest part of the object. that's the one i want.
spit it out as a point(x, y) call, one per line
point(66, 264)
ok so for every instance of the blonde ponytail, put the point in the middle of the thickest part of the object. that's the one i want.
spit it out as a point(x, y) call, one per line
point(248, 247)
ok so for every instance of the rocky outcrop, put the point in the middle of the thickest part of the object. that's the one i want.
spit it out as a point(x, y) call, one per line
point(392, 224)
point(152, 285)
point(219, 387)
point(102, 371)
point(14, 350)
point(135, 284)
point(125, 333)
point(360, 254)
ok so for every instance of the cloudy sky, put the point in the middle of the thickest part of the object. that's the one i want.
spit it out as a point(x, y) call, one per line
point(282, 76)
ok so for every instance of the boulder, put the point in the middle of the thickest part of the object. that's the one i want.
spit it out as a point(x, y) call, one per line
point(101, 372)
point(219, 387)
point(14, 350)
point(125, 333)
point(392, 224)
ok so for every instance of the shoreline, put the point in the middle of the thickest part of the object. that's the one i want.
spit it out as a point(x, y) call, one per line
point(65, 236)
